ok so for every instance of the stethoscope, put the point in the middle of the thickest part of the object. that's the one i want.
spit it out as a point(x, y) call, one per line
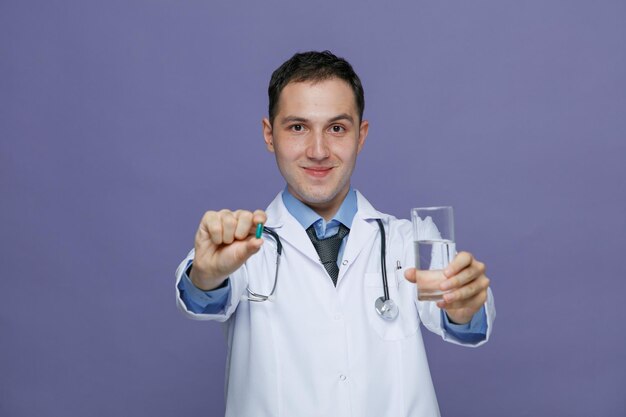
point(384, 306)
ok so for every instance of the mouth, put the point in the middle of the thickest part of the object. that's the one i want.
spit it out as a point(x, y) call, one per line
point(317, 172)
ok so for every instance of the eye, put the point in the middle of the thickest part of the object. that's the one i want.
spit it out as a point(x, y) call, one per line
point(337, 129)
point(297, 128)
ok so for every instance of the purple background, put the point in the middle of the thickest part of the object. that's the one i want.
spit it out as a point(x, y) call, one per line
point(121, 122)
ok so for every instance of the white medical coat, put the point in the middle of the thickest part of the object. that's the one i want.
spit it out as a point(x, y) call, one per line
point(321, 350)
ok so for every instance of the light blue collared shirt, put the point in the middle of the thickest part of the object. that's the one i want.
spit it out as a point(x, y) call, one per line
point(214, 301)
point(307, 217)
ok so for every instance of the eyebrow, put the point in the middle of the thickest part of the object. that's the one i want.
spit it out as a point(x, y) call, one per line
point(343, 116)
point(292, 119)
point(295, 119)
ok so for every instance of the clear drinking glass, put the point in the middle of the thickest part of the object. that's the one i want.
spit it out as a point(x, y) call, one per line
point(433, 236)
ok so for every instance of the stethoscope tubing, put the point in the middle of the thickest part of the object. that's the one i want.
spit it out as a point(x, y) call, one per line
point(257, 298)
point(383, 256)
point(385, 307)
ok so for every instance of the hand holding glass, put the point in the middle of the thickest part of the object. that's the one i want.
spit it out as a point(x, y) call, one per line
point(433, 235)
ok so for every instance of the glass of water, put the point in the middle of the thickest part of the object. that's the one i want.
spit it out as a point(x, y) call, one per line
point(433, 236)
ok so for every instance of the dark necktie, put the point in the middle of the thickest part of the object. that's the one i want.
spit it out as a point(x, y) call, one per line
point(328, 249)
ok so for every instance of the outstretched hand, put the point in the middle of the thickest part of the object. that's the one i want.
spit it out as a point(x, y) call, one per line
point(224, 241)
point(466, 287)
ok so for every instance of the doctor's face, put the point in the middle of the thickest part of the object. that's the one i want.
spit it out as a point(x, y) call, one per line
point(316, 136)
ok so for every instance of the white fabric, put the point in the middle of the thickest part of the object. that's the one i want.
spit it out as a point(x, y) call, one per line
point(317, 350)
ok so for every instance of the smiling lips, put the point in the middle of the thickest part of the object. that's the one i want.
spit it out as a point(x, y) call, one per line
point(317, 172)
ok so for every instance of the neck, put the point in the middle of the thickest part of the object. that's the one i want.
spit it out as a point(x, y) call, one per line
point(326, 214)
point(328, 209)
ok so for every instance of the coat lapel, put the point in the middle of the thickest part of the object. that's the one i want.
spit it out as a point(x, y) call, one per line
point(362, 233)
point(290, 231)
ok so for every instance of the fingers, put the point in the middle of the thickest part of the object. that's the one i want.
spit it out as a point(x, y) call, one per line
point(461, 261)
point(476, 291)
point(244, 224)
point(259, 217)
point(462, 313)
point(229, 224)
point(463, 276)
point(210, 228)
point(225, 226)
point(465, 281)
point(467, 286)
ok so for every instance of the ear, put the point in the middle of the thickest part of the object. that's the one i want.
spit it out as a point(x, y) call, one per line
point(363, 129)
point(268, 134)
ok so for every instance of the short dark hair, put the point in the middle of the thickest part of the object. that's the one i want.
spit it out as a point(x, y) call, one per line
point(313, 66)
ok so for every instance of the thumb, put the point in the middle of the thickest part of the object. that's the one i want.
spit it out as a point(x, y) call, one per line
point(409, 274)
point(252, 246)
point(247, 248)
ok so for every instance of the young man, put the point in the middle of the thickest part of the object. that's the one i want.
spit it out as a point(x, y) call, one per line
point(317, 346)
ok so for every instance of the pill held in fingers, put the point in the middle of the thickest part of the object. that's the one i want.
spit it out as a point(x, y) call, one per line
point(259, 230)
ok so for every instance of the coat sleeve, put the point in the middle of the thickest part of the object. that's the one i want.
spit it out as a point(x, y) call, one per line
point(430, 316)
point(238, 282)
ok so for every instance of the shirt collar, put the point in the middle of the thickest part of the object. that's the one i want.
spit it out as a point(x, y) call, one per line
point(306, 216)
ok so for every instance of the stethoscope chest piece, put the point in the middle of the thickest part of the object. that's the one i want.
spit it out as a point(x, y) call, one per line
point(386, 309)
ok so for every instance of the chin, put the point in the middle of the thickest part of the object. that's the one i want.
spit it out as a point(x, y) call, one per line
point(316, 200)
point(317, 197)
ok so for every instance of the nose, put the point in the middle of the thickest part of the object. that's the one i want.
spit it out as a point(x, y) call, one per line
point(318, 147)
